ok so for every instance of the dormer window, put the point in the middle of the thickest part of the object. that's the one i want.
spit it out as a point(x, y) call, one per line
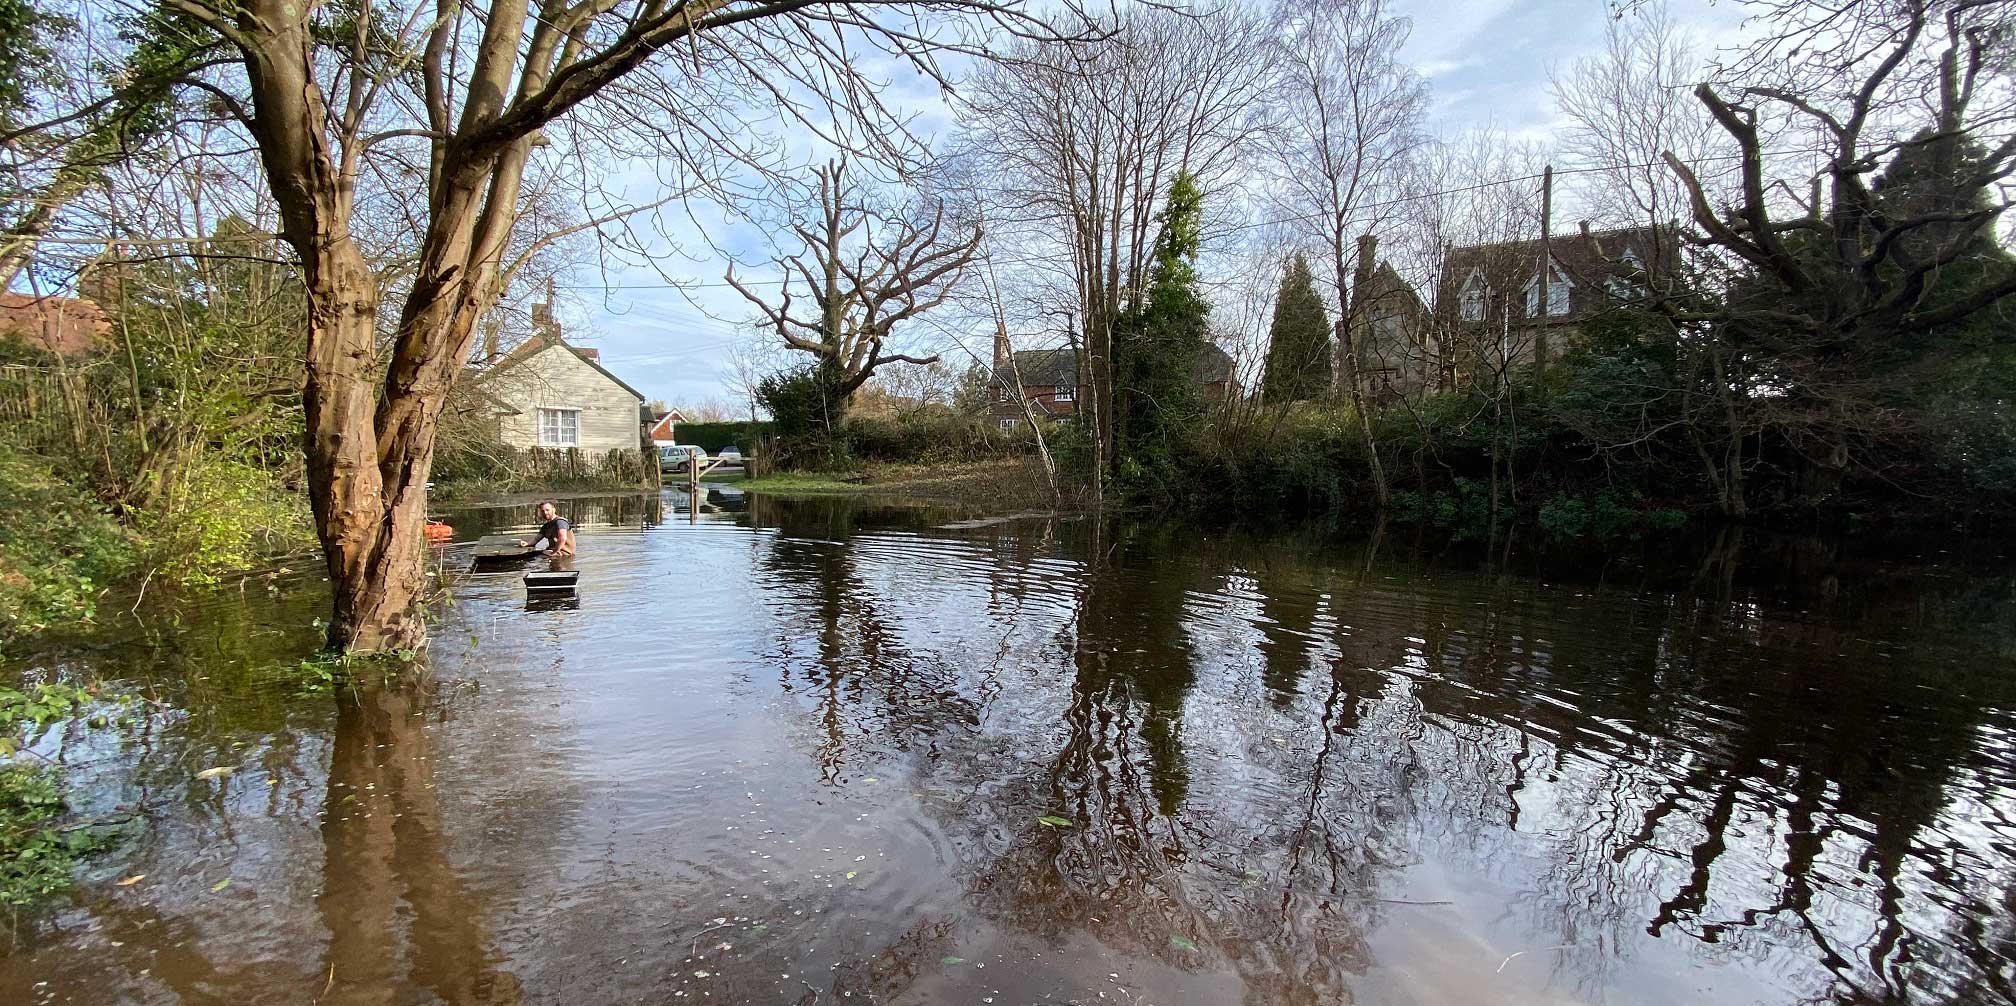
point(1470, 302)
point(1557, 295)
point(1627, 283)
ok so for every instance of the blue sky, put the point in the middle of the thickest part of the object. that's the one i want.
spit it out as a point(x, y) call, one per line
point(1487, 61)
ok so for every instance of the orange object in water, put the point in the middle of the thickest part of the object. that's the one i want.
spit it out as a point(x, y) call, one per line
point(438, 531)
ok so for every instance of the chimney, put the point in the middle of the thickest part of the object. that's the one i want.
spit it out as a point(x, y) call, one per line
point(1368, 255)
point(1000, 347)
point(1585, 232)
point(591, 355)
point(490, 331)
point(543, 322)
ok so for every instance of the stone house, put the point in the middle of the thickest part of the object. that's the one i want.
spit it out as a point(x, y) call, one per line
point(1491, 301)
point(549, 394)
point(1050, 381)
point(1398, 354)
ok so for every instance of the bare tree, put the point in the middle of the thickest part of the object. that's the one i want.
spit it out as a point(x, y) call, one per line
point(1083, 143)
point(454, 101)
point(1837, 290)
point(1627, 106)
point(1353, 118)
point(866, 273)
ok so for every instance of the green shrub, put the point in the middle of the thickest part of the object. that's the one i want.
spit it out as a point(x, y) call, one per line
point(58, 548)
point(37, 856)
point(219, 517)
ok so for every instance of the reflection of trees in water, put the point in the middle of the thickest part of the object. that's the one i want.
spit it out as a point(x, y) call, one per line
point(398, 914)
point(868, 685)
point(1710, 778)
point(1273, 885)
point(1709, 765)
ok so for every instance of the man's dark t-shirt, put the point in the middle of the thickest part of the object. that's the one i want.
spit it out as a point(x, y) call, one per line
point(551, 531)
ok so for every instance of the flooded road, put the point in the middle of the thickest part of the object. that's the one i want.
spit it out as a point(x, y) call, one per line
point(820, 751)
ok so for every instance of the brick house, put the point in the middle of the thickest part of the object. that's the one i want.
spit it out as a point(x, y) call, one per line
point(1050, 381)
point(66, 326)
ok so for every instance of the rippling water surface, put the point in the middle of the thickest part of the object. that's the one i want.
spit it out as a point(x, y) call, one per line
point(818, 752)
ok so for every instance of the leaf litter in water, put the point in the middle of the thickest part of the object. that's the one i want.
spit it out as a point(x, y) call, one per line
point(1182, 943)
point(948, 959)
point(1053, 821)
point(134, 879)
point(219, 771)
point(220, 885)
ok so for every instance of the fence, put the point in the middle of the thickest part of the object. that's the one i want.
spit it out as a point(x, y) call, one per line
point(571, 464)
point(44, 407)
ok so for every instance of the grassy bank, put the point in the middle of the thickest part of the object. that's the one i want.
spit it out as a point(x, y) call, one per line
point(1012, 483)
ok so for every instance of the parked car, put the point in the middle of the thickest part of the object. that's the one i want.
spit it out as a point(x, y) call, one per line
point(680, 457)
point(730, 454)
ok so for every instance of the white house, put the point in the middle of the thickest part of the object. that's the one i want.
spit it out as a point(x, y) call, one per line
point(551, 394)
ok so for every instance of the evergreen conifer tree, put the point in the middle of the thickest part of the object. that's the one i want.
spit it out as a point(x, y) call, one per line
point(1298, 340)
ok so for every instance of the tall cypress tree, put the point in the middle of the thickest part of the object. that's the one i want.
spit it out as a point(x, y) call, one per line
point(1157, 348)
point(1298, 341)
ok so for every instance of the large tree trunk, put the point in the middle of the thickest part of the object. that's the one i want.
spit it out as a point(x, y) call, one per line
point(370, 447)
point(373, 557)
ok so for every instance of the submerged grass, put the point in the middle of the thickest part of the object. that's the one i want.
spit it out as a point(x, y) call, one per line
point(38, 851)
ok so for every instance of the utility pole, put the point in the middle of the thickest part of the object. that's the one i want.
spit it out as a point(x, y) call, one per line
point(1546, 270)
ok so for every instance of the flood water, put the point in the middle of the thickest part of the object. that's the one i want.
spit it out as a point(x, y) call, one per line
point(826, 751)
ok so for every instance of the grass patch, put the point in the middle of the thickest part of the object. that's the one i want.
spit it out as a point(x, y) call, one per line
point(1011, 483)
point(804, 484)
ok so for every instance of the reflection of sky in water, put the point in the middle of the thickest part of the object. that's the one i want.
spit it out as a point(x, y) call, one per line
point(805, 752)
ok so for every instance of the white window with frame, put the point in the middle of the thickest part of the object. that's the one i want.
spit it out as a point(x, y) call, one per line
point(559, 427)
point(1066, 393)
point(1471, 300)
point(1557, 295)
point(1008, 424)
point(1003, 395)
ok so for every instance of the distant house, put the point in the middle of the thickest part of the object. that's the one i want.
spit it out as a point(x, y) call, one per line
point(67, 326)
point(1050, 381)
point(1397, 350)
point(659, 429)
point(550, 394)
point(1491, 294)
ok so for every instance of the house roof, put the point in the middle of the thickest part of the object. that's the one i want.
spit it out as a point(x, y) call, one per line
point(1584, 257)
point(1054, 368)
point(63, 325)
point(666, 423)
point(1389, 293)
point(1045, 368)
point(1214, 365)
point(539, 343)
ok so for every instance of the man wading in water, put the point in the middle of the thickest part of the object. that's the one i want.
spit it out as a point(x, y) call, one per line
point(556, 532)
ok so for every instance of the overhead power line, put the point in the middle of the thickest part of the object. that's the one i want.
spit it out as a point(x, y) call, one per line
point(1236, 228)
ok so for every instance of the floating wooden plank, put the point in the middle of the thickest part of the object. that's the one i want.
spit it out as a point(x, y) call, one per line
point(558, 579)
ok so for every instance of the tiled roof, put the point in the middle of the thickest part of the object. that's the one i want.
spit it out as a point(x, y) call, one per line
point(65, 325)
